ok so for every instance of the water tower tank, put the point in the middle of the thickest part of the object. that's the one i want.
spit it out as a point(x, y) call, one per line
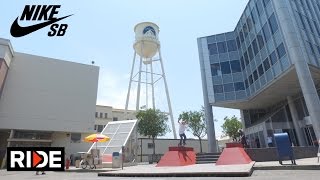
point(146, 43)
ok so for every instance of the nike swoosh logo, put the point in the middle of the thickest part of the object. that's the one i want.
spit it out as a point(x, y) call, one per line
point(18, 31)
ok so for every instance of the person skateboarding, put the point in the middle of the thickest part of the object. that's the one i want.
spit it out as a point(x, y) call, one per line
point(182, 128)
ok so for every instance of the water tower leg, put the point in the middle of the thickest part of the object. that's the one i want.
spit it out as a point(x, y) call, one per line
point(129, 88)
point(152, 86)
point(147, 86)
point(168, 98)
point(139, 86)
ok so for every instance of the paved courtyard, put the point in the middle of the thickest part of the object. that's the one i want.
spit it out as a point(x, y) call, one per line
point(289, 173)
point(258, 174)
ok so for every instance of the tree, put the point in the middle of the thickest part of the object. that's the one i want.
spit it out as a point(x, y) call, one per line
point(196, 123)
point(231, 127)
point(152, 123)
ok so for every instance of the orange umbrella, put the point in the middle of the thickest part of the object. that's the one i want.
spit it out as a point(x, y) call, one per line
point(96, 138)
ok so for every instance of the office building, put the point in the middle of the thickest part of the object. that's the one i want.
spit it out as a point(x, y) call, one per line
point(268, 67)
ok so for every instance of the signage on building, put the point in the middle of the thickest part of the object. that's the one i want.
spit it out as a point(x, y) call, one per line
point(35, 159)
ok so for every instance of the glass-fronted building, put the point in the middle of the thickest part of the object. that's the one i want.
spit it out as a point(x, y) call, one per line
point(268, 67)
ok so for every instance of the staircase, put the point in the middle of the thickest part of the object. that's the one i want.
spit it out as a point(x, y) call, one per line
point(206, 158)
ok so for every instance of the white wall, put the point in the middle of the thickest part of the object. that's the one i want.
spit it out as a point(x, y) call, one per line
point(50, 95)
point(162, 146)
point(62, 139)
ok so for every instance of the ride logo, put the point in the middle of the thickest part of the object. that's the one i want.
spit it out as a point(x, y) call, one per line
point(33, 13)
point(35, 159)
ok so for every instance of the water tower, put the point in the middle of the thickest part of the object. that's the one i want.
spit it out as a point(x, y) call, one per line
point(147, 49)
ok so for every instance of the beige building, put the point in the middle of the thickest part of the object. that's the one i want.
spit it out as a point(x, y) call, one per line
point(105, 114)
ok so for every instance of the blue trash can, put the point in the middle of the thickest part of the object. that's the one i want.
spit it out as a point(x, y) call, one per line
point(116, 160)
point(284, 147)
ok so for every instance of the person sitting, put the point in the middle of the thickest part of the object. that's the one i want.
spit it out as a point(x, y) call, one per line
point(43, 173)
point(269, 140)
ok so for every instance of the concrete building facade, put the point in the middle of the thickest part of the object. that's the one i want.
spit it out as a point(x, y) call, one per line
point(44, 101)
point(268, 67)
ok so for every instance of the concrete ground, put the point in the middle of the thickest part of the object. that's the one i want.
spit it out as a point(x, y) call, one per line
point(257, 175)
point(199, 170)
point(302, 164)
point(305, 168)
point(190, 170)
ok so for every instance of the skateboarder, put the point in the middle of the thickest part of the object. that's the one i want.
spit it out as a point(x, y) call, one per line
point(182, 128)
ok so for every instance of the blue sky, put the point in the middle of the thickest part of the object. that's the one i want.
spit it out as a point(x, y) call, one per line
point(102, 31)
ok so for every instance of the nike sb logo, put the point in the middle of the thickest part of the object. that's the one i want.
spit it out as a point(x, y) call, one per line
point(39, 13)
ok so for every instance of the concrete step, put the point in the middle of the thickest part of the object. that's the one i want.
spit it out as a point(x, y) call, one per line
point(205, 162)
point(208, 156)
point(207, 159)
point(199, 154)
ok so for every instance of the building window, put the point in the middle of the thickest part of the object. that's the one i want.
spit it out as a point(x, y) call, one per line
point(241, 36)
point(96, 114)
point(279, 117)
point(301, 22)
point(255, 47)
point(242, 63)
point(238, 41)
point(254, 16)
point(246, 83)
point(231, 45)
point(215, 69)
point(246, 59)
point(249, 23)
point(266, 64)
point(225, 67)
point(150, 145)
point(245, 30)
point(250, 79)
point(273, 57)
point(281, 51)
point(235, 66)
point(266, 32)
point(260, 70)
point(255, 75)
point(228, 87)
point(115, 119)
point(310, 25)
point(101, 115)
point(273, 23)
point(238, 86)
point(217, 89)
point(222, 48)
point(105, 115)
point(250, 53)
point(318, 30)
point(213, 48)
point(260, 40)
point(75, 137)
point(310, 48)
point(100, 128)
point(265, 2)
point(259, 7)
